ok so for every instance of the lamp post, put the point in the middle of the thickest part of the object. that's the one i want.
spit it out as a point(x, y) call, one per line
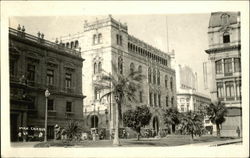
point(47, 94)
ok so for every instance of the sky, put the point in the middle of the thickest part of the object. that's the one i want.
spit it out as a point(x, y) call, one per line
point(187, 33)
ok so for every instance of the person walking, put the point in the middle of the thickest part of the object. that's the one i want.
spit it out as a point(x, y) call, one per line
point(19, 136)
point(40, 136)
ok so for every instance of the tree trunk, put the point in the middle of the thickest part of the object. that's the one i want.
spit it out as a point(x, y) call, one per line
point(138, 134)
point(116, 140)
point(218, 130)
point(192, 135)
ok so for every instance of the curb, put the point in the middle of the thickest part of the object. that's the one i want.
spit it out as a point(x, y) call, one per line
point(226, 143)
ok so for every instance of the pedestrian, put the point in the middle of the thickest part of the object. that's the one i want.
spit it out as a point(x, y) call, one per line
point(19, 136)
point(238, 131)
point(25, 135)
point(40, 136)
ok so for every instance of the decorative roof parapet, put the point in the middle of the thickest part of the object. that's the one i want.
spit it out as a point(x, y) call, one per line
point(43, 42)
point(146, 46)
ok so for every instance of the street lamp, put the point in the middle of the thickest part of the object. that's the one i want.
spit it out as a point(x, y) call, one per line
point(47, 94)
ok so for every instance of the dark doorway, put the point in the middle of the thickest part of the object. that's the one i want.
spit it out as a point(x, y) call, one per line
point(50, 132)
point(13, 127)
point(94, 121)
point(156, 124)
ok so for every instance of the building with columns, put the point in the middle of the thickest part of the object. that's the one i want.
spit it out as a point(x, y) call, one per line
point(35, 65)
point(106, 42)
point(225, 66)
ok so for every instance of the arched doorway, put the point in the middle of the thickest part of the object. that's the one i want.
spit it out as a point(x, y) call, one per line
point(156, 124)
point(94, 121)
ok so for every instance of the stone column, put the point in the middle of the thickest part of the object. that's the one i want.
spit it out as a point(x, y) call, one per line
point(222, 62)
point(224, 90)
point(232, 65)
point(213, 89)
point(235, 98)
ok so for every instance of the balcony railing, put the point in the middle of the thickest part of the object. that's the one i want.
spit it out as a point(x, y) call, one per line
point(51, 113)
point(43, 42)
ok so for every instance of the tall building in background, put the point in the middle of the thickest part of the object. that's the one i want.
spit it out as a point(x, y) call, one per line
point(188, 96)
point(106, 42)
point(35, 65)
point(225, 65)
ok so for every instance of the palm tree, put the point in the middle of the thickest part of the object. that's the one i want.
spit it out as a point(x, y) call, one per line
point(171, 117)
point(217, 112)
point(191, 123)
point(122, 88)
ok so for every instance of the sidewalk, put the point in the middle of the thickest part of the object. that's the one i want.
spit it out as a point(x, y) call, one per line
point(217, 143)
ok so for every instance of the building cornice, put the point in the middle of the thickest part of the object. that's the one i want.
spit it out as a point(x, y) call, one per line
point(223, 49)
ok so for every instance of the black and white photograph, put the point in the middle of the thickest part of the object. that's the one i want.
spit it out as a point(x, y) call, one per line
point(130, 79)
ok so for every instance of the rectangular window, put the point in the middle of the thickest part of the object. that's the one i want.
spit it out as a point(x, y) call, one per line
point(50, 104)
point(218, 65)
point(229, 90)
point(117, 39)
point(140, 96)
point(159, 100)
point(237, 65)
point(12, 67)
point(182, 108)
point(220, 90)
point(31, 72)
point(50, 77)
point(155, 99)
point(68, 79)
point(166, 101)
point(68, 106)
point(150, 99)
point(228, 66)
point(238, 89)
point(97, 94)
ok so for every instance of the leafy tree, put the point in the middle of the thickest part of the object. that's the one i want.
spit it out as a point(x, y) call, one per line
point(137, 118)
point(122, 88)
point(191, 123)
point(171, 117)
point(73, 130)
point(216, 112)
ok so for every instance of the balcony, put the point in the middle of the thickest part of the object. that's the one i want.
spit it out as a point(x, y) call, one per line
point(52, 114)
point(69, 114)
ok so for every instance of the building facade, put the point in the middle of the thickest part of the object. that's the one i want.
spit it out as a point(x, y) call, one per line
point(105, 43)
point(225, 60)
point(35, 65)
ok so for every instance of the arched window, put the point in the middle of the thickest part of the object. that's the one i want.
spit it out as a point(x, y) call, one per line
point(154, 76)
point(158, 78)
point(99, 67)
point(166, 81)
point(171, 83)
point(99, 38)
point(172, 101)
point(67, 44)
point(132, 67)
point(140, 68)
point(94, 121)
point(120, 65)
point(95, 68)
point(72, 44)
point(76, 44)
point(226, 37)
point(94, 39)
point(149, 75)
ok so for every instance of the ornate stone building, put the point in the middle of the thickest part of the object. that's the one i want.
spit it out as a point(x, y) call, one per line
point(106, 42)
point(225, 60)
point(36, 64)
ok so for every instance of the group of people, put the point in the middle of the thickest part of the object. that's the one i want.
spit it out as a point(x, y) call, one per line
point(24, 136)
